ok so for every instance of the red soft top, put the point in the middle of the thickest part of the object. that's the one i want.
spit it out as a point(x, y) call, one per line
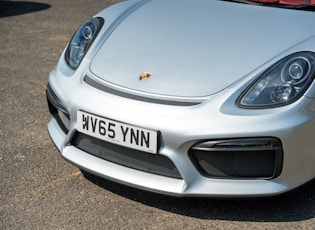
point(289, 2)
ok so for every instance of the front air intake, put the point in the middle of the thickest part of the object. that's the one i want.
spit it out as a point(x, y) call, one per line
point(151, 163)
point(257, 158)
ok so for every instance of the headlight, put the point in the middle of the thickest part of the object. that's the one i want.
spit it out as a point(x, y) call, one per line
point(82, 40)
point(281, 84)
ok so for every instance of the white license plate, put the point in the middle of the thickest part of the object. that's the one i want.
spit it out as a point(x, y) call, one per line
point(117, 132)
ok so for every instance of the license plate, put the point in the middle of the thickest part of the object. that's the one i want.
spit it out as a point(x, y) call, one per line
point(117, 132)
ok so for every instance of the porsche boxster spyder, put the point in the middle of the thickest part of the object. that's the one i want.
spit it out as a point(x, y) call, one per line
point(207, 98)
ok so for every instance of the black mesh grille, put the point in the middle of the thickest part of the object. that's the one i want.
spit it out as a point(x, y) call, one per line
point(151, 163)
point(259, 158)
point(237, 164)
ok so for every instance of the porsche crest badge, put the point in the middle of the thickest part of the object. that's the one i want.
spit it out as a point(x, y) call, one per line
point(145, 76)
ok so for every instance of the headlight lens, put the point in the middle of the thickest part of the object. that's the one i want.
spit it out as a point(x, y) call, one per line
point(82, 40)
point(282, 83)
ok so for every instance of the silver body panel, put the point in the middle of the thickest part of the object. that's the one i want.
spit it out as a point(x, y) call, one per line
point(238, 42)
point(196, 43)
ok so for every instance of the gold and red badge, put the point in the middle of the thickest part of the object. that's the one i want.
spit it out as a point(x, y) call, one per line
point(145, 76)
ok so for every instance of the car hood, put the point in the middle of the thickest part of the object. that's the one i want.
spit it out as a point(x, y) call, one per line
point(195, 48)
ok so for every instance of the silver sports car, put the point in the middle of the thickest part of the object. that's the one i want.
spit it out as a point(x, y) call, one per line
point(206, 98)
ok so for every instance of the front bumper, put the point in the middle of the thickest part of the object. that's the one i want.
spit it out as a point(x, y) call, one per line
point(181, 128)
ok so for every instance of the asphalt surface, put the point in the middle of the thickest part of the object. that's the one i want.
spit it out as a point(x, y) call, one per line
point(39, 190)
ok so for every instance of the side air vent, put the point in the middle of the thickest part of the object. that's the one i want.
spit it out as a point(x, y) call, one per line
point(57, 110)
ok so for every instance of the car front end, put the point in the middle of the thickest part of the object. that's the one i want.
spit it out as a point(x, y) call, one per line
point(147, 104)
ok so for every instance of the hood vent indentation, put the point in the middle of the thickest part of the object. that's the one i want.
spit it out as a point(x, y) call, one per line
point(88, 80)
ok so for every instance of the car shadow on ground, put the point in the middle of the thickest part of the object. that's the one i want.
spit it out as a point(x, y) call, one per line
point(294, 206)
point(12, 8)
